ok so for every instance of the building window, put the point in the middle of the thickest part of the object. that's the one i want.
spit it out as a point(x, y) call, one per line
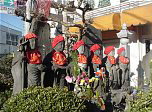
point(104, 3)
point(16, 38)
point(14, 43)
point(13, 38)
point(90, 2)
point(8, 42)
point(8, 37)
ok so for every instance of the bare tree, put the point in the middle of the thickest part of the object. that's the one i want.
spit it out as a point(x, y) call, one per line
point(71, 8)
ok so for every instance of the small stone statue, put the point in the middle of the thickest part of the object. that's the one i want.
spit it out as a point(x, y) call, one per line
point(110, 63)
point(19, 68)
point(123, 65)
point(34, 59)
point(96, 56)
point(82, 59)
point(59, 60)
point(97, 69)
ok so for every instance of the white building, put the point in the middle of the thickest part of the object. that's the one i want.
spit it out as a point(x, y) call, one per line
point(8, 40)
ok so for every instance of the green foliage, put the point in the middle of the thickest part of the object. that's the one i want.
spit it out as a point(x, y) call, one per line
point(4, 95)
point(38, 99)
point(75, 67)
point(5, 71)
point(150, 73)
point(143, 103)
point(5, 64)
point(6, 79)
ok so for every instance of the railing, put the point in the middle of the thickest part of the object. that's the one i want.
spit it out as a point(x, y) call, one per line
point(113, 9)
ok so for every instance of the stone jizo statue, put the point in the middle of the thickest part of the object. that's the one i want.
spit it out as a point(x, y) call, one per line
point(59, 60)
point(110, 63)
point(123, 65)
point(34, 59)
point(98, 85)
point(19, 67)
point(82, 58)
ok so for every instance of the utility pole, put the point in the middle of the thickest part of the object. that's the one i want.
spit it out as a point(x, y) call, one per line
point(27, 24)
point(30, 7)
point(64, 29)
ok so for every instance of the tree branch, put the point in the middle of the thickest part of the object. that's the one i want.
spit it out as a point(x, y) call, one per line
point(57, 5)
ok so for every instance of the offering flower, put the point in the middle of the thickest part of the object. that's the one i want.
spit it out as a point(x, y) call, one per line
point(83, 74)
point(68, 79)
point(82, 82)
point(86, 79)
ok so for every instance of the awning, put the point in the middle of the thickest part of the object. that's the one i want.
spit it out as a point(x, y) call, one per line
point(135, 16)
point(107, 22)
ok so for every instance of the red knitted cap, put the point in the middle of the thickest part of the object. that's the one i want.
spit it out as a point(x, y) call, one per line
point(78, 44)
point(30, 35)
point(109, 49)
point(119, 51)
point(95, 47)
point(56, 40)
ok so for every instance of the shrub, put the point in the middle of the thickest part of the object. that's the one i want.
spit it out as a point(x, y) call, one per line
point(4, 95)
point(5, 71)
point(5, 66)
point(6, 79)
point(143, 103)
point(6, 82)
point(38, 99)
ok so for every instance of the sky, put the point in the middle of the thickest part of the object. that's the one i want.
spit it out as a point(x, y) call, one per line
point(11, 21)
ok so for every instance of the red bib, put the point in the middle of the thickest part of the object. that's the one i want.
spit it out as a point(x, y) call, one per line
point(34, 57)
point(59, 58)
point(112, 59)
point(96, 59)
point(124, 60)
point(82, 59)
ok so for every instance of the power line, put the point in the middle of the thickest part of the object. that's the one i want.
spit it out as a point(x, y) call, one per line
point(11, 24)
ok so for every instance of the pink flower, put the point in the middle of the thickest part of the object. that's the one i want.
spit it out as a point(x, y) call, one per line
point(83, 74)
point(68, 79)
point(78, 79)
point(86, 80)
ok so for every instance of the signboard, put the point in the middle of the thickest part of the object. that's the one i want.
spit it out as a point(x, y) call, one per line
point(7, 6)
point(8, 3)
point(6, 10)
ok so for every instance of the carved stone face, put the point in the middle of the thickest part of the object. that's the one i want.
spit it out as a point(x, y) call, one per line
point(98, 52)
point(33, 43)
point(59, 47)
point(81, 49)
point(112, 53)
point(122, 53)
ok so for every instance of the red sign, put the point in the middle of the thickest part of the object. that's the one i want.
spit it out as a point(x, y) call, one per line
point(44, 7)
